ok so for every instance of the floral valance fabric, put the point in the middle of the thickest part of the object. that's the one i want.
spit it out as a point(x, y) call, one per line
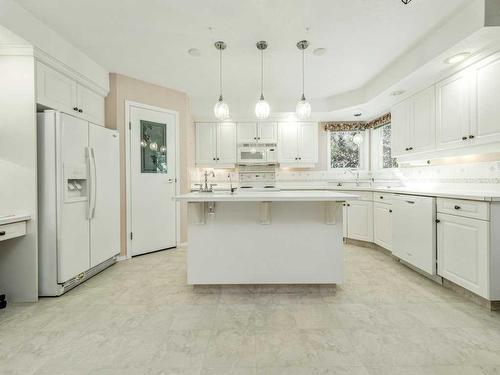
point(341, 126)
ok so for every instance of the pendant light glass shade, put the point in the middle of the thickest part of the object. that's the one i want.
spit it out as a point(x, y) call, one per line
point(303, 109)
point(357, 139)
point(262, 108)
point(221, 109)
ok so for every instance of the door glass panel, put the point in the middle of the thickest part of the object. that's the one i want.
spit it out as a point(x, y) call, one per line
point(153, 147)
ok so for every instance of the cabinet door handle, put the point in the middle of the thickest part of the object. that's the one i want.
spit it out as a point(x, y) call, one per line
point(80, 110)
point(381, 197)
point(407, 149)
point(348, 205)
point(438, 221)
point(457, 207)
point(213, 159)
point(411, 148)
point(410, 202)
point(390, 211)
point(2, 233)
point(75, 109)
point(471, 136)
point(464, 138)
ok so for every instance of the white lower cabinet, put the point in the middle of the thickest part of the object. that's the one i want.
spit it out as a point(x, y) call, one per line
point(360, 220)
point(382, 225)
point(462, 255)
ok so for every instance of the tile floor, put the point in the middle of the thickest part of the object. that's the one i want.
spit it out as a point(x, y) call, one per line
point(139, 317)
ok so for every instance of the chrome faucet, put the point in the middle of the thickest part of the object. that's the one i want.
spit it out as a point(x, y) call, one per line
point(231, 183)
point(356, 174)
point(205, 188)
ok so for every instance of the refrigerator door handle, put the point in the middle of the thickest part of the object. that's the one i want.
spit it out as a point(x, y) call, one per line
point(92, 182)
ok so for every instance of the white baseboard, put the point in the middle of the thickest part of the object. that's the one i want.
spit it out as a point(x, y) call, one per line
point(182, 244)
point(119, 258)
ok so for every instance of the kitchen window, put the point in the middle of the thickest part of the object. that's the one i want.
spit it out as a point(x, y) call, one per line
point(382, 155)
point(347, 149)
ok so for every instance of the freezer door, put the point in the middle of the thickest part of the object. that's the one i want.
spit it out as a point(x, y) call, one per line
point(73, 256)
point(105, 194)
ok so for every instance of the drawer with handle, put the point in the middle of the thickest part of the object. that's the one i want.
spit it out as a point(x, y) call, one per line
point(382, 197)
point(465, 208)
point(8, 231)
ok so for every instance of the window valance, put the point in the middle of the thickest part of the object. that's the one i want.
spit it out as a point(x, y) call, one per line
point(341, 126)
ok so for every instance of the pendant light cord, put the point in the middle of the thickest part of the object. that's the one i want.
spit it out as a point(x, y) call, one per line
point(220, 73)
point(262, 74)
point(303, 76)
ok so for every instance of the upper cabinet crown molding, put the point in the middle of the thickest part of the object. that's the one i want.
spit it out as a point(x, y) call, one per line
point(101, 89)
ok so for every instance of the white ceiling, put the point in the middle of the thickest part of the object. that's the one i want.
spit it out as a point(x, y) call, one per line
point(149, 40)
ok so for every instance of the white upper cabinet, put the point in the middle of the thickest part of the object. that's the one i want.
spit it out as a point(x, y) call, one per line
point(423, 121)
point(288, 142)
point(257, 132)
point(400, 128)
point(55, 90)
point(206, 139)
point(298, 143)
point(215, 144)
point(267, 132)
point(414, 124)
point(246, 132)
point(59, 92)
point(308, 142)
point(90, 105)
point(226, 144)
point(486, 128)
point(453, 110)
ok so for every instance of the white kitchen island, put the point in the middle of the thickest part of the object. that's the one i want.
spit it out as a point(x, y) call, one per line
point(272, 237)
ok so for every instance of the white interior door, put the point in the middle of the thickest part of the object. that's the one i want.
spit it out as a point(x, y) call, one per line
point(105, 181)
point(73, 255)
point(152, 180)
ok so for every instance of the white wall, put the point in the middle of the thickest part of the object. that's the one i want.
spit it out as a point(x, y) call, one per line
point(18, 171)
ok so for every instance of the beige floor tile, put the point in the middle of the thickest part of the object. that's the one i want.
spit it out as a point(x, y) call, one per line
point(140, 317)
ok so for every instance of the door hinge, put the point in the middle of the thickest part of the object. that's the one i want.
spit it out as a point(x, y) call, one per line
point(130, 125)
point(131, 235)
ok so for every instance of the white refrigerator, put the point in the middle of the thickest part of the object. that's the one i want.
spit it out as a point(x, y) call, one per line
point(78, 200)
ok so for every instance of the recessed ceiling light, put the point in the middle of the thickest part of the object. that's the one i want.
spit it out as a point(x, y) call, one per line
point(457, 58)
point(194, 52)
point(319, 51)
point(397, 92)
point(357, 113)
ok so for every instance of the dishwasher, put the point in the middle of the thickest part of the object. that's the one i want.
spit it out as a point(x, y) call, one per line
point(414, 231)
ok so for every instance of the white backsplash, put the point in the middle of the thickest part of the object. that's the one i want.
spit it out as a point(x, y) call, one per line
point(483, 176)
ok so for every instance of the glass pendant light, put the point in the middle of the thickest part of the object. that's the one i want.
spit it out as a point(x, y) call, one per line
point(303, 109)
point(221, 109)
point(262, 108)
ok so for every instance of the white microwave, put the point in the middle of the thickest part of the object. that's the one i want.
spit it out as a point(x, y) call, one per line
point(258, 154)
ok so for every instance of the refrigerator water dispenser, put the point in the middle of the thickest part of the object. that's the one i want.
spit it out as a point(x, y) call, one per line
point(75, 183)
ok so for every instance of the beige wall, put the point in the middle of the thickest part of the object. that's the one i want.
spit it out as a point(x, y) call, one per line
point(124, 88)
